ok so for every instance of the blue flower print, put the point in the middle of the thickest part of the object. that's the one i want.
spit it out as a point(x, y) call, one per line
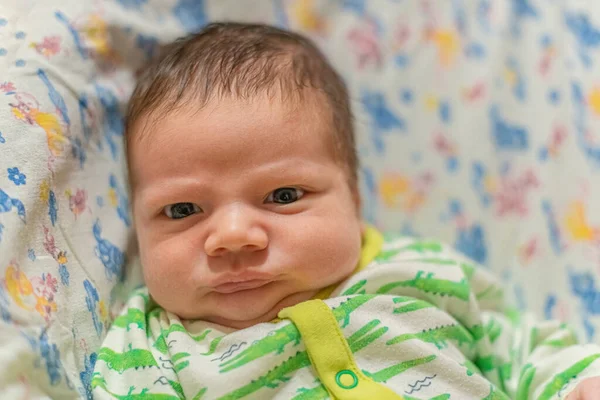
point(16, 176)
point(86, 374)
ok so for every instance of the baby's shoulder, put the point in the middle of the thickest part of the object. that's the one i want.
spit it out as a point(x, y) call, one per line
point(396, 247)
point(424, 267)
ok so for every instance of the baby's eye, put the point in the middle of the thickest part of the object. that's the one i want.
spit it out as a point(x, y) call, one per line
point(285, 195)
point(181, 210)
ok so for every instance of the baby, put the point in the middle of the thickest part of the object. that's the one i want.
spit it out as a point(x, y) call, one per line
point(262, 281)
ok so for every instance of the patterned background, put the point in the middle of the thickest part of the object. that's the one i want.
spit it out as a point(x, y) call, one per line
point(478, 124)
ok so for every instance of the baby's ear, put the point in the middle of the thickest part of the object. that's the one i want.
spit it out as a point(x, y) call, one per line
point(357, 200)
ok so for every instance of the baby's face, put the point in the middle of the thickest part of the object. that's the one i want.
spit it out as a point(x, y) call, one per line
point(241, 210)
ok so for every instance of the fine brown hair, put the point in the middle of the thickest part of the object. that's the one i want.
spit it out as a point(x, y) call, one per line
point(243, 60)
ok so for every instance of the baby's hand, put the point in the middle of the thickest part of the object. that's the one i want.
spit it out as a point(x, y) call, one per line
point(589, 389)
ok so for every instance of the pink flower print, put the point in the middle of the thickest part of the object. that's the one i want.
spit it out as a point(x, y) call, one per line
point(49, 46)
point(77, 202)
point(49, 244)
point(7, 87)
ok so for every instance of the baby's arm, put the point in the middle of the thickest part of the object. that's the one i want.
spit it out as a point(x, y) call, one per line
point(526, 357)
point(530, 358)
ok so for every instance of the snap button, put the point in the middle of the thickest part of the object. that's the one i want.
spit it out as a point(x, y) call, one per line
point(346, 379)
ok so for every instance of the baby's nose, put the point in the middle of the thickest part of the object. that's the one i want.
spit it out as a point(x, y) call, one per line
point(235, 232)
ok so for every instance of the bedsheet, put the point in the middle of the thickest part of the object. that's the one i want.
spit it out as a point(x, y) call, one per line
point(478, 124)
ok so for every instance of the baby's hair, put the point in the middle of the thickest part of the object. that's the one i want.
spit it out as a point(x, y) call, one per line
point(244, 60)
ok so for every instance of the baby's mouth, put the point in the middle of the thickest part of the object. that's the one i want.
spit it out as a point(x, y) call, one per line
point(232, 287)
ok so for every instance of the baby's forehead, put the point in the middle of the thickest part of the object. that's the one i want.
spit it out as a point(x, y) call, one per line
point(263, 137)
point(235, 119)
point(301, 107)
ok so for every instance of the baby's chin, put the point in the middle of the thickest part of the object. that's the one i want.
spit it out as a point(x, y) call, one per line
point(242, 322)
point(243, 316)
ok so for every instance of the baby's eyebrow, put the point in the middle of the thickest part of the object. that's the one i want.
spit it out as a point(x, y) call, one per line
point(291, 167)
point(169, 190)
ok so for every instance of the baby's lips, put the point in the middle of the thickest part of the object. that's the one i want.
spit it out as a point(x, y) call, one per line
point(238, 286)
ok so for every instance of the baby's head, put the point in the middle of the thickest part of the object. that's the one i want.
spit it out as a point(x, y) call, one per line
point(244, 174)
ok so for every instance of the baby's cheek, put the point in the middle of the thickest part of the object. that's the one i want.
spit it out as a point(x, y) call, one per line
point(166, 266)
point(332, 252)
